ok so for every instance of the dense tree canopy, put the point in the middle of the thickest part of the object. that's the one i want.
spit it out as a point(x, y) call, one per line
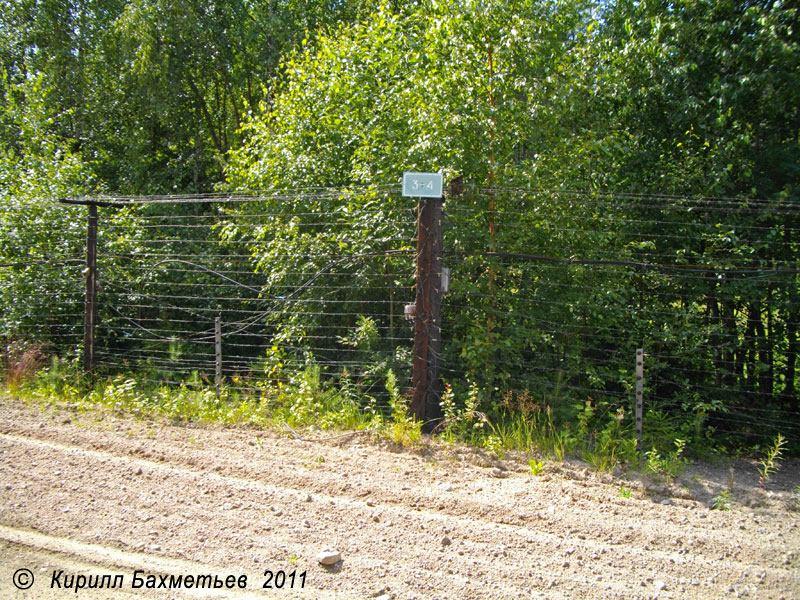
point(156, 89)
point(695, 97)
point(468, 88)
point(691, 97)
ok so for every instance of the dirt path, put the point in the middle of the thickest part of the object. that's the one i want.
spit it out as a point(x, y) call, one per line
point(92, 495)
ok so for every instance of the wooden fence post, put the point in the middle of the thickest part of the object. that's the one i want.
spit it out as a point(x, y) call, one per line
point(427, 321)
point(218, 355)
point(639, 397)
point(90, 307)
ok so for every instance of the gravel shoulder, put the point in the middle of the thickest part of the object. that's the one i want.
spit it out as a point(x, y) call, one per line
point(93, 493)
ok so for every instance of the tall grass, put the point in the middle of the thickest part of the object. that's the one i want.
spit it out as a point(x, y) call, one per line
point(600, 435)
point(595, 434)
point(303, 401)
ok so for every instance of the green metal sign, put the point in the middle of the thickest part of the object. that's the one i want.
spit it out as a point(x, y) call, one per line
point(422, 185)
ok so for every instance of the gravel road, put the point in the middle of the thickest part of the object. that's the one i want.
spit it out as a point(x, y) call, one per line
point(90, 494)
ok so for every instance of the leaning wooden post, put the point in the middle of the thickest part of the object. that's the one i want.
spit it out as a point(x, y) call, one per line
point(639, 397)
point(90, 307)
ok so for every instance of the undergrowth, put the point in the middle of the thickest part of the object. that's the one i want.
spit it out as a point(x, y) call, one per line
point(302, 401)
point(598, 433)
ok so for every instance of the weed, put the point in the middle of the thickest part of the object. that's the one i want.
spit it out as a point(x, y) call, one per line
point(448, 404)
point(613, 444)
point(21, 360)
point(494, 444)
point(598, 432)
point(669, 465)
point(403, 429)
point(625, 492)
point(520, 423)
point(585, 415)
point(603, 462)
point(537, 467)
point(471, 413)
point(313, 464)
point(469, 424)
point(562, 443)
point(770, 462)
point(722, 501)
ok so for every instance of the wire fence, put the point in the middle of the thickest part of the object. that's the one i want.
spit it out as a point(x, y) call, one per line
point(291, 281)
point(551, 294)
point(578, 282)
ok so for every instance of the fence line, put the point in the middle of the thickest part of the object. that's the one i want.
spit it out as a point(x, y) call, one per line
point(550, 301)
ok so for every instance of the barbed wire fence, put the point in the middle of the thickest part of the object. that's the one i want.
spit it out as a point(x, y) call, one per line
point(551, 294)
point(329, 299)
point(567, 286)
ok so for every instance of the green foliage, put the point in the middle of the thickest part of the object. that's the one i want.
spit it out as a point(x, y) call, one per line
point(157, 89)
point(467, 423)
point(414, 88)
point(630, 96)
point(769, 463)
point(702, 103)
point(669, 464)
point(429, 86)
point(521, 424)
point(303, 401)
point(537, 467)
point(40, 279)
point(403, 428)
point(61, 380)
point(604, 439)
point(643, 106)
point(307, 401)
point(700, 75)
point(625, 492)
point(722, 501)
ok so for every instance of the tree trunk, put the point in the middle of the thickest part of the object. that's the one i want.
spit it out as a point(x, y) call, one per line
point(713, 322)
point(201, 102)
point(762, 367)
